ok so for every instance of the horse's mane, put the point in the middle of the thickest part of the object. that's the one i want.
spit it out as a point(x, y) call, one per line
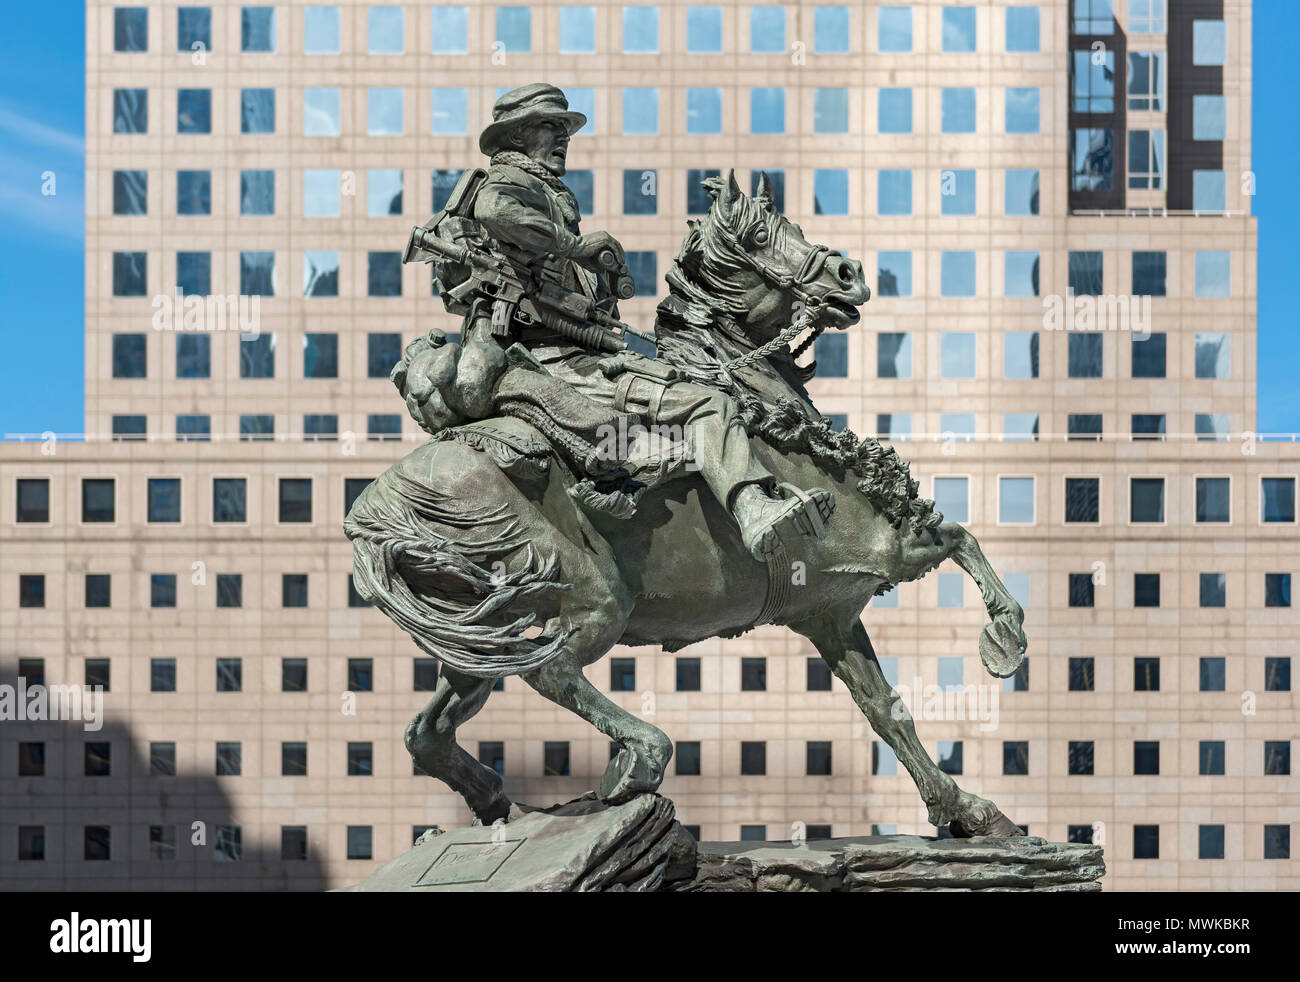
point(697, 333)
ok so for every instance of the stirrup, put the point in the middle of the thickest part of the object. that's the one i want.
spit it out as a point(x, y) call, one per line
point(818, 506)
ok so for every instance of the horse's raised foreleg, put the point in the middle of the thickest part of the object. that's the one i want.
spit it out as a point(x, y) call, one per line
point(431, 740)
point(1002, 642)
point(847, 650)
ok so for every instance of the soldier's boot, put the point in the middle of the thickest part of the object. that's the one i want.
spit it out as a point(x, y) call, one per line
point(765, 522)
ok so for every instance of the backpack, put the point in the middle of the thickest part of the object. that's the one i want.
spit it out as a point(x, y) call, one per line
point(456, 224)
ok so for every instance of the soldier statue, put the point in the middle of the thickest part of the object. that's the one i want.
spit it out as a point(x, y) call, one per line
point(527, 218)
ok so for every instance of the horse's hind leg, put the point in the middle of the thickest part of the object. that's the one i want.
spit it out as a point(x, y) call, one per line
point(431, 739)
point(847, 650)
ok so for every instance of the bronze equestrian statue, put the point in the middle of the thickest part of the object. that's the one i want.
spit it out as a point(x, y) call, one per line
point(577, 495)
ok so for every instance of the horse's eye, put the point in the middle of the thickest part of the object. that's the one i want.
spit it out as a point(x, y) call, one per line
point(757, 237)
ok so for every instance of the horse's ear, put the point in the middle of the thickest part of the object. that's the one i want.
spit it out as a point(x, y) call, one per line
point(765, 197)
point(733, 188)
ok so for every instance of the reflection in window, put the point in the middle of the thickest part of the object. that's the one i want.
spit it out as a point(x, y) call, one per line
point(130, 110)
point(1094, 17)
point(1020, 353)
point(130, 192)
point(320, 427)
point(1146, 80)
point(193, 192)
point(131, 29)
point(1093, 82)
point(257, 29)
point(1086, 274)
point(1085, 355)
point(1211, 426)
point(1146, 16)
point(320, 273)
point(894, 274)
point(896, 427)
point(515, 29)
point(193, 355)
point(831, 352)
point(1277, 502)
point(893, 192)
point(385, 274)
point(959, 29)
point(957, 355)
point(952, 498)
point(194, 29)
point(1148, 426)
point(1213, 355)
point(1019, 427)
point(257, 356)
point(257, 274)
point(257, 192)
point(1021, 192)
point(1149, 356)
point(384, 192)
point(831, 192)
point(257, 111)
point(129, 275)
point(893, 355)
point(194, 273)
point(194, 111)
point(320, 356)
point(1022, 110)
point(1146, 159)
point(703, 30)
point(704, 110)
point(1021, 274)
point(320, 112)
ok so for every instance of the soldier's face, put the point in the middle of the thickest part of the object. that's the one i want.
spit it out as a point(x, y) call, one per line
point(547, 143)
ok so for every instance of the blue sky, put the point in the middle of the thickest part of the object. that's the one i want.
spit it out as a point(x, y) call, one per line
point(42, 108)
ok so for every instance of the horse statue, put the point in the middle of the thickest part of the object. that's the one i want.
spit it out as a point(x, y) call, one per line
point(486, 549)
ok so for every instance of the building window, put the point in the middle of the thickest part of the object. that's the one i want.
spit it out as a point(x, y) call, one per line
point(1093, 82)
point(1083, 499)
point(766, 110)
point(515, 29)
point(1277, 842)
point(256, 427)
point(1146, 757)
point(1084, 426)
point(385, 31)
point(257, 274)
point(162, 590)
point(894, 278)
point(32, 499)
point(320, 426)
point(162, 760)
point(96, 843)
point(1209, 190)
point(818, 758)
point(640, 30)
point(194, 273)
point(1092, 158)
point(753, 675)
point(162, 672)
point(640, 192)
point(257, 111)
point(230, 674)
point(703, 30)
point(704, 110)
point(1021, 108)
point(753, 757)
point(1021, 192)
point(130, 192)
point(957, 354)
point(622, 675)
point(257, 29)
point(130, 29)
point(320, 356)
point(1021, 275)
point(957, 278)
point(1146, 159)
point(1146, 589)
point(1082, 674)
point(450, 30)
point(230, 590)
point(352, 488)
point(1146, 81)
point(1277, 589)
point(193, 356)
point(257, 356)
point(360, 837)
point(1082, 590)
point(1020, 427)
point(164, 499)
point(697, 197)
point(1149, 273)
point(99, 590)
point(361, 760)
point(129, 279)
point(766, 29)
point(818, 675)
point(555, 758)
point(1213, 589)
point(193, 192)
point(293, 674)
point(1146, 674)
point(1016, 500)
point(831, 192)
point(492, 754)
point(894, 26)
point(320, 193)
point(1213, 280)
point(958, 30)
point(1022, 30)
point(130, 110)
point(830, 109)
point(956, 191)
point(97, 500)
point(894, 111)
point(320, 112)
point(31, 590)
point(424, 675)
point(293, 843)
point(293, 590)
point(832, 354)
point(321, 31)
point(952, 498)
point(1147, 499)
point(1277, 757)
point(1209, 42)
point(1212, 674)
point(320, 273)
point(1015, 757)
point(1086, 274)
point(957, 110)
point(688, 674)
point(688, 758)
point(1149, 356)
point(578, 30)
point(384, 112)
point(1277, 499)
point(194, 111)
point(1080, 757)
point(295, 499)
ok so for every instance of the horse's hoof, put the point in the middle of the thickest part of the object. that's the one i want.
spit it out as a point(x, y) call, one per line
point(1002, 647)
point(1000, 826)
point(628, 775)
point(497, 810)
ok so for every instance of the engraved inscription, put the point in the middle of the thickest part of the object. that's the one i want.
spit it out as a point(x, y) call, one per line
point(468, 862)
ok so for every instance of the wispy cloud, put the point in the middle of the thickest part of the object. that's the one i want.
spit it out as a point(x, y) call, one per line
point(35, 133)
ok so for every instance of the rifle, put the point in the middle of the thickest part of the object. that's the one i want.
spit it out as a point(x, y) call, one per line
point(522, 298)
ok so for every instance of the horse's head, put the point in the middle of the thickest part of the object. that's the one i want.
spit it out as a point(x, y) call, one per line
point(755, 263)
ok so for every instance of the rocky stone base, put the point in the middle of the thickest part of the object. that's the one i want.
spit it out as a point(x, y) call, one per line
point(586, 845)
point(898, 863)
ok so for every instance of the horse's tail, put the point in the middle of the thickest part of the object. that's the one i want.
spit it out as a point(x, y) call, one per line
point(414, 556)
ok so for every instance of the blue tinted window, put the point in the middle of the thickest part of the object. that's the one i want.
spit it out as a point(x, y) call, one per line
point(129, 276)
point(894, 192)
point(450, 112)
point(130, 110)
point(1021, 274)
point(257, 29)
point(957, 274)
point(895, 25)
point(640, 30)
point(1209, 42)
point(831, 351)
point(1022, 110)
point(703, 30)
point(583, 185)
point(384, 192)
point(644, 269)
point(640, 111)
point(831, 192)
point(320, 193)
point(257, 274)
point(767, 110)
point(894, 275)
point(1209, 117)
point(257, 110)
point(957, 192)
point(703, 110)
point(952, 498)
point(959, 29)
point(193, 28)
point(582, 99)
point(578, 30)
point(130, 192)
point(831, 111)
point(1213, 273)
point(194, 111)
point(320, 109)
point(131, 29)
point(640, 192)
point(320, 273)
point(831, 30)
point(320, 27)
point(895, 111)
point(193, 192)
point(384, 112)
point(385, 31)
point(957, 349)
point(1022, 192)
point(1209, 190)
point(257, 192)
point(194, 272)
point(193, 355)
point(767, 30)
point(1022, 29)
point(450, 30)
point(959, 110)
point(515, 28)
